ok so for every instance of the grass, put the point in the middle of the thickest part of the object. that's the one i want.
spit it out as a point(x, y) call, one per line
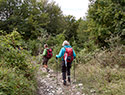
point(105, 81)
point(104, 74)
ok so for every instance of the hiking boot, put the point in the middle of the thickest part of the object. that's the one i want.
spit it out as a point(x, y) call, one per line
point(69, 79)
point(64, 82)
point(47, 69)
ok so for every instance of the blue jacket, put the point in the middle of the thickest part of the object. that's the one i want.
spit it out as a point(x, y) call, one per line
point(62, 51)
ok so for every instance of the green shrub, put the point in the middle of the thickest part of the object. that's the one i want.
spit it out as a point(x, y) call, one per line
point(16, 71)
point(10, 52)
point(12, 83)
point(102, 70)
point(34, 46)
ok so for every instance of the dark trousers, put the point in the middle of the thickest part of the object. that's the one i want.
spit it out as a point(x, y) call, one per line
point(45, 60)
point(65, 70)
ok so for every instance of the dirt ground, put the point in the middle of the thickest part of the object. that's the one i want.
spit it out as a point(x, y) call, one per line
point(50, 83)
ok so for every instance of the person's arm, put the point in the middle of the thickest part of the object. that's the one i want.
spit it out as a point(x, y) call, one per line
point(60, 53)
point(74, 55)
point(44, 52)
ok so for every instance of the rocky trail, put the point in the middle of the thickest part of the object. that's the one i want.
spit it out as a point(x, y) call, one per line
point(49, 83)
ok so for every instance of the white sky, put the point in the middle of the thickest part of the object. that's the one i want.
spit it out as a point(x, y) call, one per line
point(77, 8)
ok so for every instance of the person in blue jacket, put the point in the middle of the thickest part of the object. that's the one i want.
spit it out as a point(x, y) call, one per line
point(66, 66)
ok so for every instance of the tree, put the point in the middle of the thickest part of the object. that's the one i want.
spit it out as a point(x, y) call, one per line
point(105, 17)
point(30, 17)
point(82, 33)
point(71, 27)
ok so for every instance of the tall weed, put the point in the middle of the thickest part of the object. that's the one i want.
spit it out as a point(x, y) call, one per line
point(102, 71)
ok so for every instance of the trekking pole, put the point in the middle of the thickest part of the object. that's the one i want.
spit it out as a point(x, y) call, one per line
point(74, 69)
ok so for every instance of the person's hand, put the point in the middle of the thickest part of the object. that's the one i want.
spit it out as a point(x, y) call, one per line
point(56, 57)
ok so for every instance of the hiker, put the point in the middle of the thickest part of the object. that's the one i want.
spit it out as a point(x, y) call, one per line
point(67, 53)
point(47, 54)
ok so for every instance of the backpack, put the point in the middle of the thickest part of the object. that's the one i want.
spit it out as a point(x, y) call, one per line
point(49, 53)
point(68, 55)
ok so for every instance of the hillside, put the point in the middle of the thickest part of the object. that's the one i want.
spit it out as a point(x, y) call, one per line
point(97, 39)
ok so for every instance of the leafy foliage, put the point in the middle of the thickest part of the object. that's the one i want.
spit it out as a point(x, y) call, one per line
point(26, 25)
point(29, 17)
point(102, 71)
point(106, 17)
point(15, 84)
point(10, 52)
point(16, 74)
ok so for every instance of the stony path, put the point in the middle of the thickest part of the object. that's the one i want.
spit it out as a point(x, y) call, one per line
point(48, 84)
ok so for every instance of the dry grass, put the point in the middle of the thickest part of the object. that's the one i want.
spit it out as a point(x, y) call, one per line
point(104, 74)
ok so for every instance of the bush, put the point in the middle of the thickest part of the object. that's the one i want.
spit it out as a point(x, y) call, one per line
point(15, 84)
point(16, 72)
point(102, 71)
point(11, 53)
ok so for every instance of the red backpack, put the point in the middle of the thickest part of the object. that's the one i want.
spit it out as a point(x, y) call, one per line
point(49, 53)
point(69, 54)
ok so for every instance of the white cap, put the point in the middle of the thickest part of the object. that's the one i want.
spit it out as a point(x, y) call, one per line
point(65, 43)
point(45, 45)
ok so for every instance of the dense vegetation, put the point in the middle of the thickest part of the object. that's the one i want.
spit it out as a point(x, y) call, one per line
point(98, 39)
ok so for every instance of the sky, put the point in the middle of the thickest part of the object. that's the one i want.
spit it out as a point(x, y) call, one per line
point(77, 8)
